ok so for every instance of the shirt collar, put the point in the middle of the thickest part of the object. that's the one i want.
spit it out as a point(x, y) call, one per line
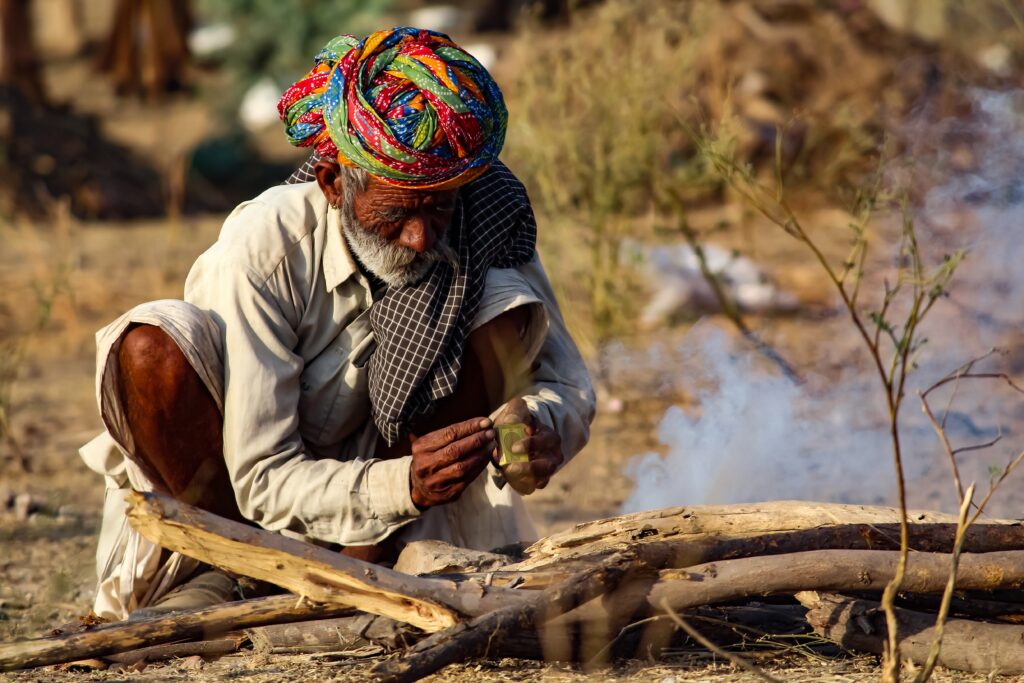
point(339, 265)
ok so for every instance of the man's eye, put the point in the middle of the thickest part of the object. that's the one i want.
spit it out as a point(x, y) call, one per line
point(392, 216)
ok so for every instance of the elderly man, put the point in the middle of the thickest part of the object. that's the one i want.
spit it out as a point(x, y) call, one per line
point(346, 347)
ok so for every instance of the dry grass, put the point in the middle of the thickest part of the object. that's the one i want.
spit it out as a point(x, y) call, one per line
point(594, 162)
point(596, 114)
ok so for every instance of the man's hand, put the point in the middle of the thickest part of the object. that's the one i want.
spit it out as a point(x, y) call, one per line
point(542, 444)
point(446, 461)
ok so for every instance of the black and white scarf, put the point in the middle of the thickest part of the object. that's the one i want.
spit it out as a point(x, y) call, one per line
point(421, 329)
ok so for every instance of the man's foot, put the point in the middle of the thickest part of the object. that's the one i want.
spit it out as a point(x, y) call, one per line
point(207, 589)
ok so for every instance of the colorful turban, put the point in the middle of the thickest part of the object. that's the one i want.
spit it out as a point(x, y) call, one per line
point(406, 105)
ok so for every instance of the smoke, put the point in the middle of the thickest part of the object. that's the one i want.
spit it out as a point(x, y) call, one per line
point(753, 435)
point(757, 436)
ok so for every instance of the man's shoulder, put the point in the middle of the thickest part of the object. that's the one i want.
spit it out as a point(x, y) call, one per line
point(262, 231)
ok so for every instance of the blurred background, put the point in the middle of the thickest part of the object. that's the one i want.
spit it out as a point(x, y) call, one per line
point(129, 128)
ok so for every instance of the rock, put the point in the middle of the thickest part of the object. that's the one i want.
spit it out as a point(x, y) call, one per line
point(206, 41)
point(437, 557)
point(193, 663)
point(614, 405)
point(258, 109)
point(996, 58)
point(485, 53)
point(24, 506)
point(69, 513)
point(924, 19)
point(441, 18)
point(674, 275)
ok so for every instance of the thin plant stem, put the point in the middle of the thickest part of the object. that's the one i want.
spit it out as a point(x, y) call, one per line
point(729, 307)
point(947, 594)
point(892, 372)
point(735, 659)
point(1010, 467)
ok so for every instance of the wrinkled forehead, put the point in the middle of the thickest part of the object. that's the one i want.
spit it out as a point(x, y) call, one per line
point(382, 194)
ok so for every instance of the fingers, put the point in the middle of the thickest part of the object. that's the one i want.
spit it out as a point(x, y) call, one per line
point(526, 477)
point(515, 411)
point(484, 442)
point(520, 477)
point(429, 464)
point(464, 470)
point(542, 441)
point(440, 438)
point(543, 468)
point(448, 483)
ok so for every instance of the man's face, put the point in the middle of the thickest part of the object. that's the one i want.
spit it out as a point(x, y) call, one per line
point(414, 219)
point(396, 233)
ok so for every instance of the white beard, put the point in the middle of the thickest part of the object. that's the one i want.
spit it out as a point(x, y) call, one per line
point(395, 265)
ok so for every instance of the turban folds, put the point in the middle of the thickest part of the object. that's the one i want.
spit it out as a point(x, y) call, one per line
point(407, 105)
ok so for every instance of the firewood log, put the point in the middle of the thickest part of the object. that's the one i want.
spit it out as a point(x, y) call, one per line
point(186, 625)
point(470, 639)
point(824, 570)
point(706, 533)
point(967, 645)
point(307, 569)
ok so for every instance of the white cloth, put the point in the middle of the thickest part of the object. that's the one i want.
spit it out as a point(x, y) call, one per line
point(275, 323)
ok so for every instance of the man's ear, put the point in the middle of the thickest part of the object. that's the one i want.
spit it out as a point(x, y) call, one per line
point(328, 177)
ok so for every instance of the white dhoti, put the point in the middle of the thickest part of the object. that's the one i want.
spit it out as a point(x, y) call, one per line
point(134, 572)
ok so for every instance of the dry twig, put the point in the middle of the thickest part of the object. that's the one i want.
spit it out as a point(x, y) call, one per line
point(735, 659)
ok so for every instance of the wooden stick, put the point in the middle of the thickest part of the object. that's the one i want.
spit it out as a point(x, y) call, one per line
point(825, 570)
point(470, 639)
point(334, 635)
point(968, 645)
point(735, 659)
point(968, 606)
point(717, 532)
point(702, 548)
point(309, 570)
point(156, 653)
point(185, 625)
point(832, 570)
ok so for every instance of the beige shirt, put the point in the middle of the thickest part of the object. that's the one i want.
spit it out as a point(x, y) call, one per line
point(292, 306)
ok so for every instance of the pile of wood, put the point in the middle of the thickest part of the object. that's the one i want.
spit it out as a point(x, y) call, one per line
point(594, 593)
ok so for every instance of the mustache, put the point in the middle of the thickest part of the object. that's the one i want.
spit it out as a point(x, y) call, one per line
point(399, 257)
point(397, 265)
point(442, 252)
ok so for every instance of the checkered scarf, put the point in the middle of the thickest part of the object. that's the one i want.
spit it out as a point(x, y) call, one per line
point(421, 329)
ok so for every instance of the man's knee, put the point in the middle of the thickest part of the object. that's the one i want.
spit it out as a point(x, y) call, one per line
point(148, 357)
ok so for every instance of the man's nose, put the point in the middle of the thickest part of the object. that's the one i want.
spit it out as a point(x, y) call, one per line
point(417, 234)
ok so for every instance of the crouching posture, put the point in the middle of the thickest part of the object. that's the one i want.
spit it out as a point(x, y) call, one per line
point(345, 348)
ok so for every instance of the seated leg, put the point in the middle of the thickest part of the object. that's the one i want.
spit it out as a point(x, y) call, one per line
point(174, 422)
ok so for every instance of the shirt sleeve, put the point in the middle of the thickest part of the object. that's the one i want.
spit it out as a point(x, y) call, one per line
point(355, 500)
point(561, 394)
